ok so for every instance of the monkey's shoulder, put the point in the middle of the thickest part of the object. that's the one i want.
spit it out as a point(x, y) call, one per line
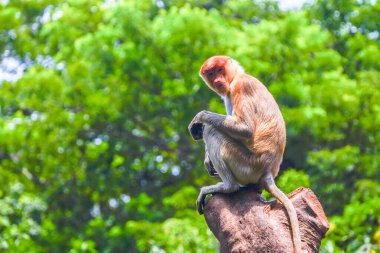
point(248, 85)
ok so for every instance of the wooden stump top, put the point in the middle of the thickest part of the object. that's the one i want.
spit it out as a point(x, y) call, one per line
point(244, 222)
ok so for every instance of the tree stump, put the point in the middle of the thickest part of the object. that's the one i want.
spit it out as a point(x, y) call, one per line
point(244, 222)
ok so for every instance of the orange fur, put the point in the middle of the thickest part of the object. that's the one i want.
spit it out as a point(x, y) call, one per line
point(215, 61)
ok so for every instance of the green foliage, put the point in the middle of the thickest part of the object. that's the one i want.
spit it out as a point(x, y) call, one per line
point(20, 215)
point(95, 155)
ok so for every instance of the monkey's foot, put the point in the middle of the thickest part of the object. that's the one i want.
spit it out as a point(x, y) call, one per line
point(212, 171)
point(201, 203)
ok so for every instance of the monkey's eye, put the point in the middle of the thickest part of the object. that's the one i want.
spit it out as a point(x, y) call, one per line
point(219, 70)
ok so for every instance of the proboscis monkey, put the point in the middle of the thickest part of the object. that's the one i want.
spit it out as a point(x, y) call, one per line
point(245, 146)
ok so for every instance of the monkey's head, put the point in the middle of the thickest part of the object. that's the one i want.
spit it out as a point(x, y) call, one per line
point(218, 72)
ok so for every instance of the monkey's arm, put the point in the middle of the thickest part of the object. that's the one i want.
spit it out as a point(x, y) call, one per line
point(230, 125)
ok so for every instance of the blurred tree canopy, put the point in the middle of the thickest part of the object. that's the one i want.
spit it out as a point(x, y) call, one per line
point(94, 150)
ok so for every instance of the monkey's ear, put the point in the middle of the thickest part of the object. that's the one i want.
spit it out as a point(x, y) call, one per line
point(196, 131)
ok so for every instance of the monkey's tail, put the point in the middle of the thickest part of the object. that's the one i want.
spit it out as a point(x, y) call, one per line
point(278, 194)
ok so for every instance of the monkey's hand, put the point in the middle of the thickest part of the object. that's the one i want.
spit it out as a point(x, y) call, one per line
point(196, 131)
point(196, 127)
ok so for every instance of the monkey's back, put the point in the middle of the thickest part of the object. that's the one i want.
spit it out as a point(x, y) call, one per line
point(269, 136)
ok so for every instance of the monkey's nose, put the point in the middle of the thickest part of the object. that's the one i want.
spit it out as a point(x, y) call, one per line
point(219, 85)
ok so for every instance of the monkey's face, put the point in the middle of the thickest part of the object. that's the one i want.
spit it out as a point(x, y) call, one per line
point(216, 78)
point(215, 74)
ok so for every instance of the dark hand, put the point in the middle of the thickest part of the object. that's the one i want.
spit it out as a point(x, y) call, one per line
point(196, 126)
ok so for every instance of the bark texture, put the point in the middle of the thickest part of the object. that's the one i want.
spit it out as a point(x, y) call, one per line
point(244, 222)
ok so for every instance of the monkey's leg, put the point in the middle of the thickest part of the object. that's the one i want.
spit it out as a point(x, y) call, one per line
point(221, 187)
point(216, 142)
point(269, 184)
